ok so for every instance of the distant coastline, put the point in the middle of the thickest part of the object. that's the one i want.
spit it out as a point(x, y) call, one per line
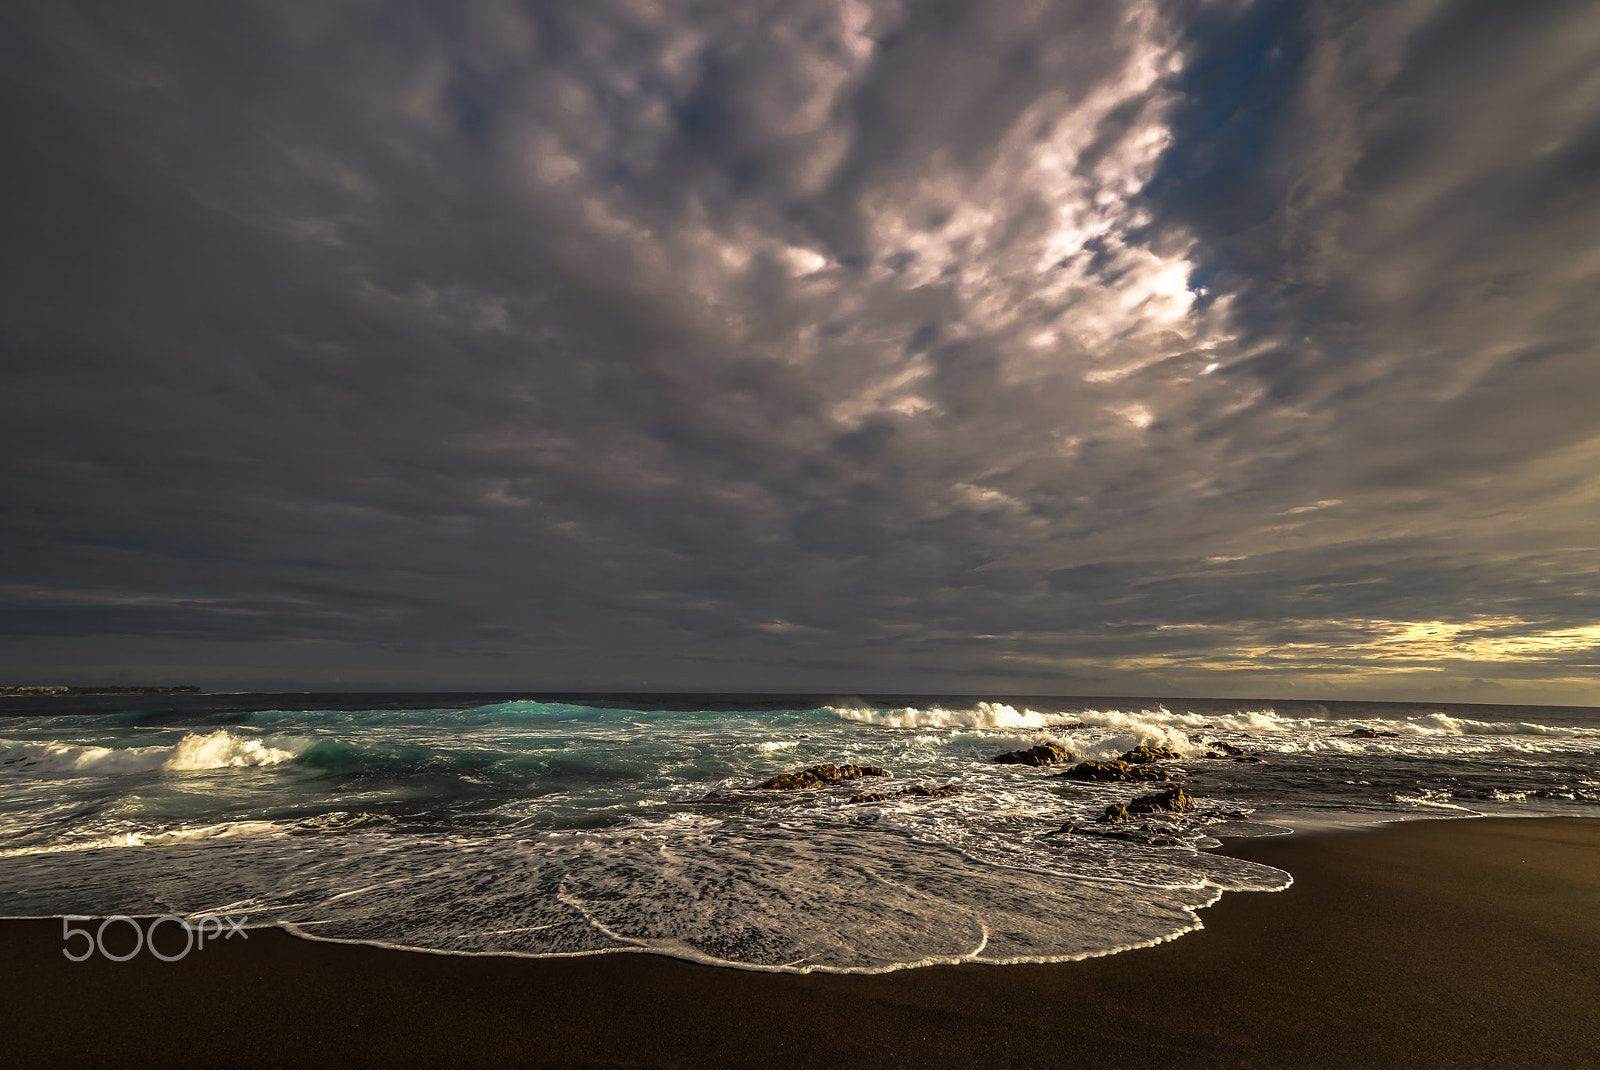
point(108, 689)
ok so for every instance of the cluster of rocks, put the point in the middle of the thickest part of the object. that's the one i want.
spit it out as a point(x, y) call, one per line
point(1043, 754)
point(1146, 755)
point(1172, 801)
point(817, 775)
point(919, 789)
point(1140, 763)
point(1367, 733)
point(1118, 771)
point(1143, 763)
point(1137, 764)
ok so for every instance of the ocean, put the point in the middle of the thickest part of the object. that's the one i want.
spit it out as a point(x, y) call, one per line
point(572, 824)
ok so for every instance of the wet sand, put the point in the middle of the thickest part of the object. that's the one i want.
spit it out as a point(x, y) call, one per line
point(1426, 944)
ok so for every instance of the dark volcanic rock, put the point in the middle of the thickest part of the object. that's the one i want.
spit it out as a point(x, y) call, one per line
point(1118, 771)
point(1226, 751)
point(1172, 801)
point(1367, 733)
point(1043, 754)
point(818, 775)
point(919, 789)
point(1146, 755)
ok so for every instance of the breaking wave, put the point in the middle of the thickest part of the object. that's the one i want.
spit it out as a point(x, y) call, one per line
point(155, 838)
point(983, 715)
point(1162, 727)
point(217, 750)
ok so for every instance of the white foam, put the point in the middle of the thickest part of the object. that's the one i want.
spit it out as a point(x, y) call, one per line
point(1441, 724)
point(1433, 799)
point(66, 759)
point(1162, 727)
point(149, 839)
point(223, 750)
point(1240, 721)
point(1006, 741)
point(1269, 720)
point(217, 750)
point(1138, 735)
point(1315, 733)
point(835, 897)
point(1132, 733)
point(1093, 743)
point(983, 715)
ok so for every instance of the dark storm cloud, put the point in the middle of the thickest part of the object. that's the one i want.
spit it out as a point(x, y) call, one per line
point(1218, 347)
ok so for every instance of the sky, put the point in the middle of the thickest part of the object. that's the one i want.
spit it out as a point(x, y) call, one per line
point(1226, 348)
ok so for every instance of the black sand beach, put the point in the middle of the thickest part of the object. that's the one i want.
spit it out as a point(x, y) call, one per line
point(1426, 944)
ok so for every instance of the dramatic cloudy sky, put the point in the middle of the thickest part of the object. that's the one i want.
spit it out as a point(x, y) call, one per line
point(1080, 347)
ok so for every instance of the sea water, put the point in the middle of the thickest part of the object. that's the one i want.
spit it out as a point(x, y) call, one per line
point(539, 828)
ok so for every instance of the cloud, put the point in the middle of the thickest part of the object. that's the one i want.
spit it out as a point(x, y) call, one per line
point(798, 344)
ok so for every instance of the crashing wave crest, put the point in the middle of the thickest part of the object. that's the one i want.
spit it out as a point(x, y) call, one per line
point(983, 715)
point(217, 750)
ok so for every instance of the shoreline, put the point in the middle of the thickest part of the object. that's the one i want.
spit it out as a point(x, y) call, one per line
point(1439, 943)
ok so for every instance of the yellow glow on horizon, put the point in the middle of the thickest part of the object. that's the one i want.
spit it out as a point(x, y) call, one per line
point(1349, 647)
